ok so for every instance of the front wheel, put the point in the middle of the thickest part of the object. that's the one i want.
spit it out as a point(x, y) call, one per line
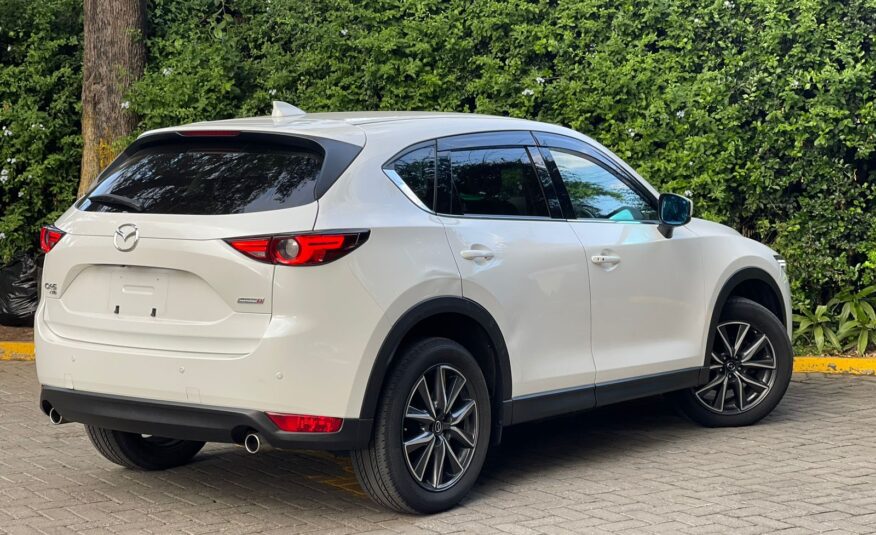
point(431, 433)
point(750, 365)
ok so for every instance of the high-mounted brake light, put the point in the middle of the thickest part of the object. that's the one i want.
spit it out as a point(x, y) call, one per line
point(49, 237)
point(300, 423)
point(209, 133)
point(301, 249)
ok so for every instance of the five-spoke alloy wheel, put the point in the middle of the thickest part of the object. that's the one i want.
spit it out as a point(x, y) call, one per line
point(431, 429)
point(749, 363)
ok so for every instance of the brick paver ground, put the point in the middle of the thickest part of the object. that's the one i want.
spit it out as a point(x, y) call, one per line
point(634, 468)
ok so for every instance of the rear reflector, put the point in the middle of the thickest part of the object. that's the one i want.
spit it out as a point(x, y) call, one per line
point(299, 423)
point(302, 249)
point(49, 237)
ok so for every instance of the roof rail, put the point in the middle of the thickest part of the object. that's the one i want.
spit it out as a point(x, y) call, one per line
point(284, 109)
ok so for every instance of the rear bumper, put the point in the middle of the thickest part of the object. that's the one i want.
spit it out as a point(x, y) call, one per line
point(188, 421)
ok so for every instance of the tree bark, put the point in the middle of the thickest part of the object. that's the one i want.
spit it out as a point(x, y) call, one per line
point(114, 58)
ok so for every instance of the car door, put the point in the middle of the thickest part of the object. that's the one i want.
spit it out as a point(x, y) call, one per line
point(646, 289)
point(518, 258)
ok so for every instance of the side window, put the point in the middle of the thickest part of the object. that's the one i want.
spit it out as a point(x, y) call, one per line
point(417, 170)
point(492, 181)
point(596, 193)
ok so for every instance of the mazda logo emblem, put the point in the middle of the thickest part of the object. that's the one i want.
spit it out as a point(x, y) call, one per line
point(126, 237)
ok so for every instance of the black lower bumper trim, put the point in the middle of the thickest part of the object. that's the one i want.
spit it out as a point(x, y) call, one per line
point(189, 421)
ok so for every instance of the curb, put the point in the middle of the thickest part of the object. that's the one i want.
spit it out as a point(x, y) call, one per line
point(843, 365)
point(23, 351)
point(16, 350)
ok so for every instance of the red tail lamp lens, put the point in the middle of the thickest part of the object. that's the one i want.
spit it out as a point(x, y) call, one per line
point(49, 237)
point(256, 248)
point(299, 423)
point(300, 250)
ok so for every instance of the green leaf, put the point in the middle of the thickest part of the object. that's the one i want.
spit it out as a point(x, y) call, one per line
point(819, 338)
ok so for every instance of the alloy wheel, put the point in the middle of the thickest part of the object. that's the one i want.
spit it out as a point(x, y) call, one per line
point(440, 428)
point(742, 369)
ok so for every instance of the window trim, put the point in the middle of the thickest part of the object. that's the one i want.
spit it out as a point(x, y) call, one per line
point(597, 158)
point(550, 140)
point(473, 141)
point(526, 150)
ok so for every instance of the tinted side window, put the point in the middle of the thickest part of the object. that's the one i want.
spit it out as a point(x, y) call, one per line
point(596, 193)
point(210, 177)
point(417, 170)
point(493, 181)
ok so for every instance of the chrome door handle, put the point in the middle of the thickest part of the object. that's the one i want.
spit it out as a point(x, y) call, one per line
point(605, 259)
point(476, 254)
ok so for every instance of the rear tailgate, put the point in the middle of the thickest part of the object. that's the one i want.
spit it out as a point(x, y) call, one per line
point(144, 262)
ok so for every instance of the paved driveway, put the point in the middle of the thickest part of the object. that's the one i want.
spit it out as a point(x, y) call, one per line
point(810, 467)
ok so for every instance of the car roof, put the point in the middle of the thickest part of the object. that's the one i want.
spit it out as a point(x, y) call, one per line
point(355, 127)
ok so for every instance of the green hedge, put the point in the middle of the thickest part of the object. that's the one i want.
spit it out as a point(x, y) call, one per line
point(765, 110)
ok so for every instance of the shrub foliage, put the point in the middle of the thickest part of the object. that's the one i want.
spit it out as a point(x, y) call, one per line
point(763, 109)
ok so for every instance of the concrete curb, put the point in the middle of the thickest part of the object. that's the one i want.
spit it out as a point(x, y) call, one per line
point(16, 350)
point(840, 365)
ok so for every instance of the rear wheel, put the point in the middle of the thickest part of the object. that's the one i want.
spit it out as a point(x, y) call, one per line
point(142, 452)
point(750, 364)
point(432, 430)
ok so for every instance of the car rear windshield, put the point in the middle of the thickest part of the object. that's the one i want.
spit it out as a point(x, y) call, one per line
point(203, 176)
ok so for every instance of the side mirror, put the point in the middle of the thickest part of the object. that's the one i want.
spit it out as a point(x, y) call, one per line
point(674, 211)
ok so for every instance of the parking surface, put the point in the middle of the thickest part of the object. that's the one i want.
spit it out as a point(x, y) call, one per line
point(636, 468)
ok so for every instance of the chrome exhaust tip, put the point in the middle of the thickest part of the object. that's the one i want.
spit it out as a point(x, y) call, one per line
point(55, 417)
point(252, 443)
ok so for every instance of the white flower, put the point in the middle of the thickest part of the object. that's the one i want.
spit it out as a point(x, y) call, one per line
point(4, 172)
point(11, 160)
point(9, 48)
point(680, 114)
point(795, 84)
point(344, 32)
point(126, 105)
point(2, 235)
point(697, 20)
point(272, 92)
point(166, 71)
point(631, 132)
point(527, 92)
point(21, 194)
point(728, 4)
point(539, 80)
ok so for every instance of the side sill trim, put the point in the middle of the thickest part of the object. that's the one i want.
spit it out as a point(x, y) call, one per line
point(555, 403)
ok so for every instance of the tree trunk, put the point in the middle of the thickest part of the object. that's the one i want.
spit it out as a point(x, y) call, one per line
point(113, 59)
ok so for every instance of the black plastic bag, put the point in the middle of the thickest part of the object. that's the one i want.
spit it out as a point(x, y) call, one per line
point(19, 282)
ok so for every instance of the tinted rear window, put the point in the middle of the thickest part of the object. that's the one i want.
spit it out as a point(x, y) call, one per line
point(209, 177)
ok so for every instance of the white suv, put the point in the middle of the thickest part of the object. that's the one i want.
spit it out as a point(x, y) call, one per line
point(399, 285)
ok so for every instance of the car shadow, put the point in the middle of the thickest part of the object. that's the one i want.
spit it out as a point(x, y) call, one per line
point(273, 481)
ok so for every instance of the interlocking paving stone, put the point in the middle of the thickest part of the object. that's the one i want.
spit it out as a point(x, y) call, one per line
point(810, 467)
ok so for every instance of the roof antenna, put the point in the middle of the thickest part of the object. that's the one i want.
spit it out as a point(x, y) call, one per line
point(284, 109)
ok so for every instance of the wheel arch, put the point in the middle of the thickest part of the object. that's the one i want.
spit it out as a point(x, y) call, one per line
point(457, 318)
point(751, 283)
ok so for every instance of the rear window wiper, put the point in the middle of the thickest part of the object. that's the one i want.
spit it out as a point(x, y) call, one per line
point(109, 199)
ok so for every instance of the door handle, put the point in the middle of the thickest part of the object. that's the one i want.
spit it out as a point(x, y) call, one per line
point(605, 259)
point(476, 254)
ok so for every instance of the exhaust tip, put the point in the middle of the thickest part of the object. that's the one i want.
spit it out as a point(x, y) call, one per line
point(55, 417)
point(252, 443)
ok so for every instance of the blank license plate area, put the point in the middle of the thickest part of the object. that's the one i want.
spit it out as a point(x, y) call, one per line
point(138, 292)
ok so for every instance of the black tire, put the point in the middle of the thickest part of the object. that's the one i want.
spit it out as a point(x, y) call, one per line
point(383, 467)
point(740, 311)
point(142, 453)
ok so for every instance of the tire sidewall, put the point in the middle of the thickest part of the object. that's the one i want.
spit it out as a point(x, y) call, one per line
point(764, 321)
point(418, 359)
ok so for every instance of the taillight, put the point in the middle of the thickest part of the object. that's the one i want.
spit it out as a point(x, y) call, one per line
point(301, 249)
point(300, 423)
point(49, 237)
